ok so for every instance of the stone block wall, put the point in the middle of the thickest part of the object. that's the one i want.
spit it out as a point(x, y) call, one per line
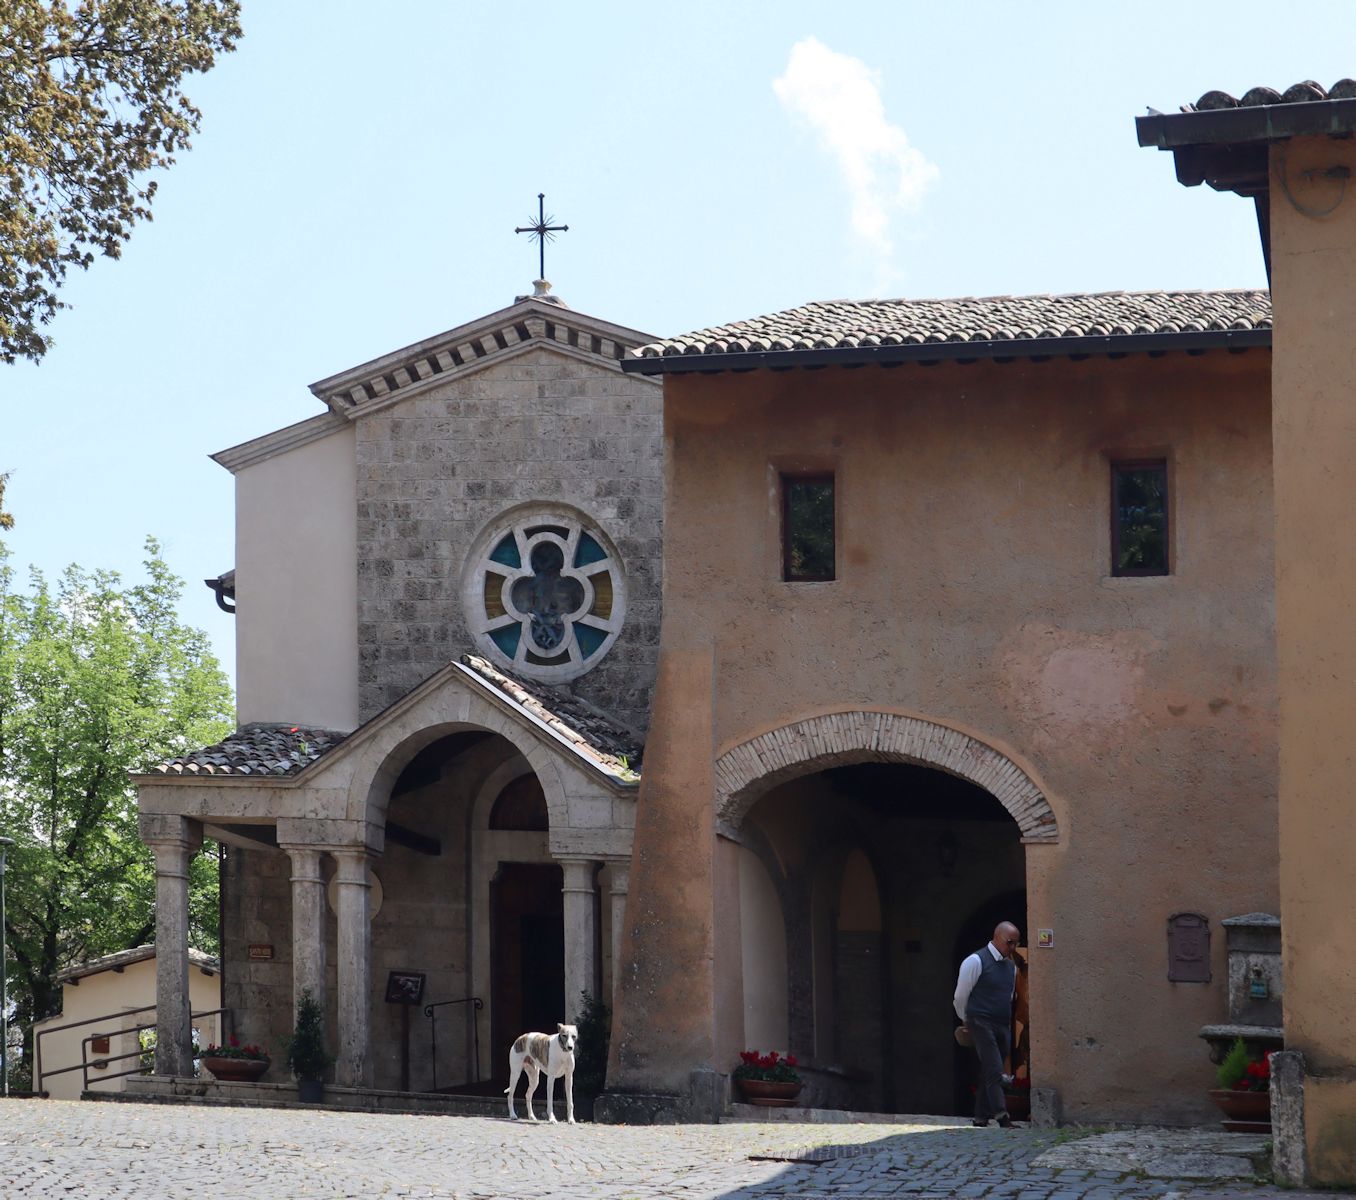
point(434, 470)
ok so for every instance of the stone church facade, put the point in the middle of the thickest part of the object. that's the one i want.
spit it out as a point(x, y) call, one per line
point(447, 592)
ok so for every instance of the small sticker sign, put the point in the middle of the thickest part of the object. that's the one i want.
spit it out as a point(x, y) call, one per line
point(1045, 939)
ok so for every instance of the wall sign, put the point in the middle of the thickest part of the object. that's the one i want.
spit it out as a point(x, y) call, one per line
point(1045, 939)
point(259, 951)
point(1188, 948)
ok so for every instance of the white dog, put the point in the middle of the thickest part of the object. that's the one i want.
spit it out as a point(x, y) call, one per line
point(542, 1054)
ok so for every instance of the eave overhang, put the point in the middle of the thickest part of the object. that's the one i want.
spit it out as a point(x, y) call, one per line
point(929, 353)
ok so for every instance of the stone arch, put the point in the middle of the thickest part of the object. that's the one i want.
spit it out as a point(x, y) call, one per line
point(390, 750)
point(747, 770)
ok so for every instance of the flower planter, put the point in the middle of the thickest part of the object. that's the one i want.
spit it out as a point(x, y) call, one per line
point(1018, 1105)
point(311, 1091)
point(235, 1070)
point(1252, 1107)
point(768, 1093)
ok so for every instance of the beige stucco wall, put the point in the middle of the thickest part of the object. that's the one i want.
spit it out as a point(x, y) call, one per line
point(120, 994)
point(296, 575)
point(1313, 289)
point(973, 589)
point(764, 957)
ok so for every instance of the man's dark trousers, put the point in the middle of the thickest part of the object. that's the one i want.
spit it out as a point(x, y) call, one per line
point(992, 1042)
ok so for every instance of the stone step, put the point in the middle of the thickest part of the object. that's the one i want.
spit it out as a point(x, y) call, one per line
point(159, 1089)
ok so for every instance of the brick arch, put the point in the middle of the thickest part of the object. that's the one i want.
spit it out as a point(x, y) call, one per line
point(746, 771)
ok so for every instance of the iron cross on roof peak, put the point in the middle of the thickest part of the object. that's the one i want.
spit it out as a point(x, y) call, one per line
point(543, 231)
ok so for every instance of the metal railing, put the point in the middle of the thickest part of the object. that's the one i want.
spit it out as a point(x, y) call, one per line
point(40, 1075)
point(476, 1004)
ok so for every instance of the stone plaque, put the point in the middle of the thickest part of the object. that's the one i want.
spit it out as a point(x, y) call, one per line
point(1188, 948)
point(259, 950)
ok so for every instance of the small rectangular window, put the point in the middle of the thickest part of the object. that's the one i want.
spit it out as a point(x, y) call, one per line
point(807, 528)
point(1139, 517)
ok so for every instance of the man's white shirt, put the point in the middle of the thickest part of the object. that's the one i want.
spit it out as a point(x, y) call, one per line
point(970, 971)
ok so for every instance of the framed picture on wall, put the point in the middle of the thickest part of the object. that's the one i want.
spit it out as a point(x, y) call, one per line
point(404, 987)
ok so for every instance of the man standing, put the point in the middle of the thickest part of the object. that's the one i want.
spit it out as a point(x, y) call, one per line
point(984, 991)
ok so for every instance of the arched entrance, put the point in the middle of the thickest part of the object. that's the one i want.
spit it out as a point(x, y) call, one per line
point(473, 902)
point(878, 859)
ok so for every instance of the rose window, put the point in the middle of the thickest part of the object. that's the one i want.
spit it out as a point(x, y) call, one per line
point(545, 597)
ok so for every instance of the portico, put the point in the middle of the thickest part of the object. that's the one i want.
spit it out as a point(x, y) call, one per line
point(354, 856)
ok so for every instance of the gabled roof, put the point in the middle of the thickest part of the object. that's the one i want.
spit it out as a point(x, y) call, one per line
point(125, 958)
point(998, 327)
point(285, 751)
point(531, 321)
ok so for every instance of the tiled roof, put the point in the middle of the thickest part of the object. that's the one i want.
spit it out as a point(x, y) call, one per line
point(589, 730)
point(125, 958)
point(1306, 92)
point(256, 750)
point(992, 321)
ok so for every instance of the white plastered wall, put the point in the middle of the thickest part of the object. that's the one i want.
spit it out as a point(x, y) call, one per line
point(296, 572)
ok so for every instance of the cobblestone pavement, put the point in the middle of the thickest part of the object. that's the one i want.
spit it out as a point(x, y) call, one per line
point(78, 1150)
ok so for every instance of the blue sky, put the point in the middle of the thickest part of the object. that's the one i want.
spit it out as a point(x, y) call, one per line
point(360, 170)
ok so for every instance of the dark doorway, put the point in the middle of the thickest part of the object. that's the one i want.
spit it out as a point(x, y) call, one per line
point(527, 956)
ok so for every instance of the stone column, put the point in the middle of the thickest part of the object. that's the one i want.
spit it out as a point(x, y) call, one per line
point(354, 1068)
point(581, 934)
point(620, 870)
point(308, 924)
point(174, 841)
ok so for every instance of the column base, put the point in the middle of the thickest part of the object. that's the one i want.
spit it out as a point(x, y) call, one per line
point(706, 1100)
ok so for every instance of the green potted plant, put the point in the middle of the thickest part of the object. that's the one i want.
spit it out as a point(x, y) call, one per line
point(1244, 1091)
point(768, 1079)
point(234, 1063)
point(307, 1057)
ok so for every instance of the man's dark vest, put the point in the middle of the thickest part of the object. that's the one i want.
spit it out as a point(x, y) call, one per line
point(991, 997)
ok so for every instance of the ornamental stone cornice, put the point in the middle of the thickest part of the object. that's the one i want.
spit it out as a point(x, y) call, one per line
point(468, 348)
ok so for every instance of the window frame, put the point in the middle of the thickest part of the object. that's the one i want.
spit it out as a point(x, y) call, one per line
point(788, 478)
point(1119, 465)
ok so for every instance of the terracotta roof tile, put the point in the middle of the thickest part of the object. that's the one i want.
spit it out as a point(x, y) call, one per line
point(590, 730)
point(259, 749)
point(849, 324)
point(1305, 92)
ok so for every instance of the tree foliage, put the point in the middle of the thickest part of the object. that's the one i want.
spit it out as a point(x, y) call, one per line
point(96, 679)
point(90, 101)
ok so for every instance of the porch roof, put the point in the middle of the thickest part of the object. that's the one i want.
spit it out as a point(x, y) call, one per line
point(257, 749)
point(282, 750)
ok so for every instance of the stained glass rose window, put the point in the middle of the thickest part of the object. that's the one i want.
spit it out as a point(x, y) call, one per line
point(545, 595)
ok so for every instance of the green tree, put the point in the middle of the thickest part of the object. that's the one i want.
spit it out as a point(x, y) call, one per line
point(96, 679)
point(90, 101)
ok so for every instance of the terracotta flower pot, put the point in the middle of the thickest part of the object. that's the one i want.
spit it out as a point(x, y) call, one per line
point(1242, 1106)
point(235, 1070)
point(767, 1092)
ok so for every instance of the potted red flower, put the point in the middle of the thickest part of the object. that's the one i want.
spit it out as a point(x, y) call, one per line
point(235, 1063)
point(1244, 1092)
point(768, 1079)
point(1017, 1097)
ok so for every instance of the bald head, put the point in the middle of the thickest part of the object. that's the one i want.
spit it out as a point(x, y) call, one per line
point(1006, 938)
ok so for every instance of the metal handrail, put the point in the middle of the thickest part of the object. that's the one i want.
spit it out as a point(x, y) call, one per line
point(476, 1004)
point(40, 1076)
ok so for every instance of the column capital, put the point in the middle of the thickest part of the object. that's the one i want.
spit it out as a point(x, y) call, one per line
point(170, 831)
point(619, 869)
point(305, 863)
point(579, 874)
point(352, 863)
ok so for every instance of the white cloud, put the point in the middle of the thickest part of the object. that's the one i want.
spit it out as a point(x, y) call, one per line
point(839, 98)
